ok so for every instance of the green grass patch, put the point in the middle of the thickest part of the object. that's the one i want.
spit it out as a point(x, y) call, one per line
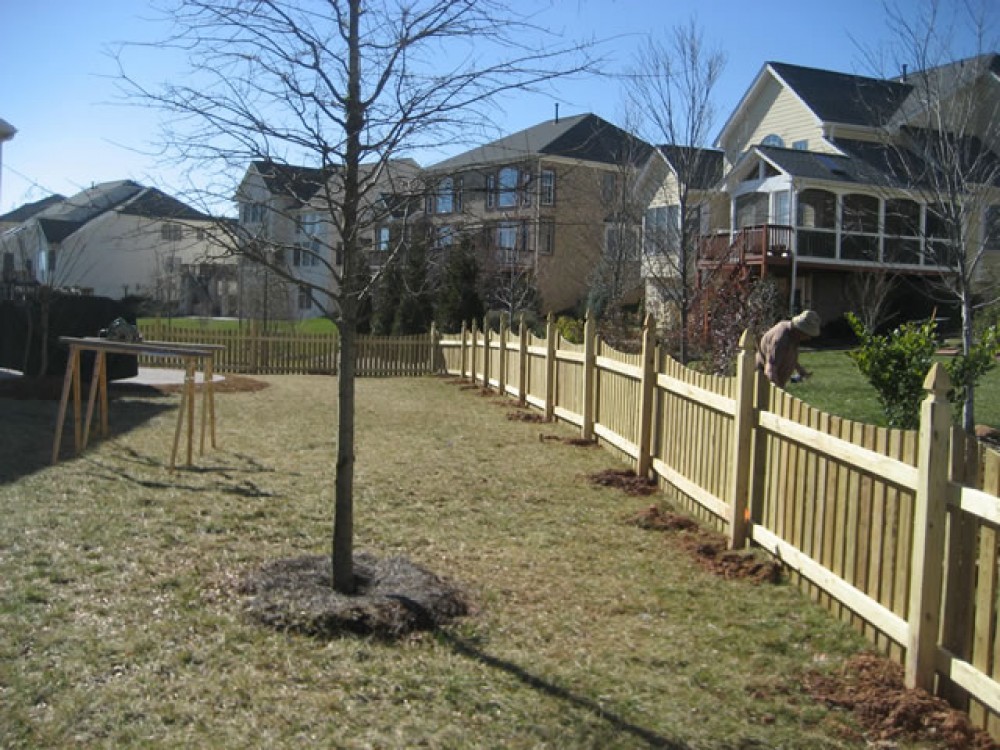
point(120, 625)
point(312, 325)
point(837, 387)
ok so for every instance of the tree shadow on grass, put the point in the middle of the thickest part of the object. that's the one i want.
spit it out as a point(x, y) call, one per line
point(469, 650)
point(27, 430)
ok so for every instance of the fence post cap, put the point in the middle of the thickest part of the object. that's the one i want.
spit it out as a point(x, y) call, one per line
point(937, 381)
point(746, 340)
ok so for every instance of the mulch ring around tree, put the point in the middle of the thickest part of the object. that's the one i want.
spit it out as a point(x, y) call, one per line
point(709, 549)
point(394, 597)
point(871, 689)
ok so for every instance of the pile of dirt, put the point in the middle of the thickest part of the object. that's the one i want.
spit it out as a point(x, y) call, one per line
point(624, 479)
point(709, 548)
point(871, 688)
point(394, 597)
point(525, 416)
point(577, 442)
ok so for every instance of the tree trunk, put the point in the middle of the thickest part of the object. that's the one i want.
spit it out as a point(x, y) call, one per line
point(969, 408)
point(343, 516)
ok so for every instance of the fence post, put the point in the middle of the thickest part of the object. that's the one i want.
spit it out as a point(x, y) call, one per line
point(958, 618)
point(929, 517)
point(589, 375)
point(463, 351)
point(472, 353)
point(502, 356)
point(487, 355)
point(550, 367)
point(742, 454)
point(522, 363)
point(647, 392)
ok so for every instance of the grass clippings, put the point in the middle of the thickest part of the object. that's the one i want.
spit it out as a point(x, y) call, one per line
point(625, 480)
point(394, 597)
point(871, 689)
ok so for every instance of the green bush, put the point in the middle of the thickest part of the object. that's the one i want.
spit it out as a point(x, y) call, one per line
point(896, 364)
point(570, 329)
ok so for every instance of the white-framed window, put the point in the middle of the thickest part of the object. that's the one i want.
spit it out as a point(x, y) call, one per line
point(444, 236)
point(620, 242)
point(511, 240)
point(991, 229)
point(547, 188)
point(508, 182)
point(802, 145)
point(782, 207)
point(444, 196)
point(773, 139)
point(305, 300)
point(662, 230)
point(310, 245)
point(382, 237)
point(252, 213)
point(546, 237)
point(171, 232)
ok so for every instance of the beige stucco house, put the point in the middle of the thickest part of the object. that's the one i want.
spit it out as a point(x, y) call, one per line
point(288, 214)
point(120, 239)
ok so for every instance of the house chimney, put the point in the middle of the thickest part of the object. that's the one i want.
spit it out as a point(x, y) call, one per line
point(904, 72)
point(557, 113)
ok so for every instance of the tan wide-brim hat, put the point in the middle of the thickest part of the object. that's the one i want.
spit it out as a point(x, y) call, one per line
point(808, 322)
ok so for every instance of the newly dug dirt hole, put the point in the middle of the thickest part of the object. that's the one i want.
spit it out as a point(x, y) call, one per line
point(394, 597)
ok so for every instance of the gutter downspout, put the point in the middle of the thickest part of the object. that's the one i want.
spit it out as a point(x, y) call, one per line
point(792, 212)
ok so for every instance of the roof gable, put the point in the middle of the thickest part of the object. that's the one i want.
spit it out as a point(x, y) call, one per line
point(586, 137)
point(841, 97)
point(28, 210)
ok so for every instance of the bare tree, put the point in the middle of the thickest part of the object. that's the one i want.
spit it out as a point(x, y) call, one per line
point(941, 150)
point(672, 90)
point(347, 88)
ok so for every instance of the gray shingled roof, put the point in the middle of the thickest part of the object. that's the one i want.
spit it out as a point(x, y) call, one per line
point(299, 183)
point(586, 137)
point(155, 204)
point(707, 164)
point(863, 163)
point(28, 210)
point(844, 98)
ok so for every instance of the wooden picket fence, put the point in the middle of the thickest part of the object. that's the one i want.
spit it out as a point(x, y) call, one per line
point(250, 350)
point(894, 531)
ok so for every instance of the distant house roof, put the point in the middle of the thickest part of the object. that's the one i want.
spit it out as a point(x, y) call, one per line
point(706, 164)
point(25, 212)
point(585, 137)
point(299, 183)
point(844, 98)
point(60, 217)
point(155, 204)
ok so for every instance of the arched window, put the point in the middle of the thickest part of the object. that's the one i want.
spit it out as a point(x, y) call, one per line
point(773, 140)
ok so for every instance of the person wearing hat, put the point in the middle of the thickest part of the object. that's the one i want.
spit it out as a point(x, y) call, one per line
point(778, 353)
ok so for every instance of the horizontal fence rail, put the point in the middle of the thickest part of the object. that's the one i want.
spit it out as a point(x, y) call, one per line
point(249, 350)
point(894, 531)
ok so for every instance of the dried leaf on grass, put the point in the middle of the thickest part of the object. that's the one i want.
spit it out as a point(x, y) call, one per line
point(394, 597)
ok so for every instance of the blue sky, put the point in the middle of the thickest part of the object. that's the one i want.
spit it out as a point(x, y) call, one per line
point(58, 86)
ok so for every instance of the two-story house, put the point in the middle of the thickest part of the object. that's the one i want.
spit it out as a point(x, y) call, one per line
point(288, 220)
point(554, 199)
point(825, 184)
point(120, 239)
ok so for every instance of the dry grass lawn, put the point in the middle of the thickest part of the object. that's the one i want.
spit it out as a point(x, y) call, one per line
point(120, 624)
